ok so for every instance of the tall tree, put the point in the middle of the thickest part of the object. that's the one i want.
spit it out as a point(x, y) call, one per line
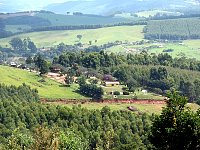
point(177, 127)
point(16, 43)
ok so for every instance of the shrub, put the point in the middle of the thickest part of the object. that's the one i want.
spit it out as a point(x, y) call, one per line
point(116, 93)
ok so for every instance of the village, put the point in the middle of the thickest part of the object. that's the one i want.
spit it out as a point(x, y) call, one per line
point(113, 89)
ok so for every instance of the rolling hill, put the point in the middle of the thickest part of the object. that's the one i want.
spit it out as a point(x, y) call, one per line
point(107, 7)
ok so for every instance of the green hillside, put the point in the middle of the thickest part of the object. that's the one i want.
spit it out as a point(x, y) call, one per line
point(63, 20)
point(102, 35)
point(49, 89)
point(173, 29)
point(23, 22)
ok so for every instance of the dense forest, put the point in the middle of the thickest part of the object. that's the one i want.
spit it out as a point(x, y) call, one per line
point(21, 117)
point(173, 29)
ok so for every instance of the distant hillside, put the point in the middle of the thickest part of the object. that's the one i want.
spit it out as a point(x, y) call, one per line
point(12, 23)
point(106, 7)
point(173, 29)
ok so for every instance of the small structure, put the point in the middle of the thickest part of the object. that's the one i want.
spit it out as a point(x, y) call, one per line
point(13, 64)
point(110, 83)
point(144, 92)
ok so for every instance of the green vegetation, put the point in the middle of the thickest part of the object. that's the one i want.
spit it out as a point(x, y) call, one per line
point(173, 29)
point(178, 125)
point(17, 28)
point(48, 89)
point(156, 73)
point(147, 108)
point(28, 124)
point(102, 36)
point(63, 20)
point(189, 49)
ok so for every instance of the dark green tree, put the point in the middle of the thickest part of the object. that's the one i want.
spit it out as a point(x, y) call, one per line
point(17, 44)
point(177, 127)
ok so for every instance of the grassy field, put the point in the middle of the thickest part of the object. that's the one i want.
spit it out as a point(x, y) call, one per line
point(148, 108)
point(103, 35)
point(49, 89)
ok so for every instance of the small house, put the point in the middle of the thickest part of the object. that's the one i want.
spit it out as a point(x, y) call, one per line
point(13, 64)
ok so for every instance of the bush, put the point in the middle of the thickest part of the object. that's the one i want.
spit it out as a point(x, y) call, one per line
point(116, 93)
point(125, 93)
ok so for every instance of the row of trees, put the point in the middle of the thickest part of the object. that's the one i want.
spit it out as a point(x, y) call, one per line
point(101, 59)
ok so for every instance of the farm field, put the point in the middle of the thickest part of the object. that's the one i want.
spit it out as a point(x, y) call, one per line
point(102, 35)
point(49, 89)
point(148, 108)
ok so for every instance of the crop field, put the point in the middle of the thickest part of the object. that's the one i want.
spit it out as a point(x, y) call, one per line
point(48, 89)
point(102, 35)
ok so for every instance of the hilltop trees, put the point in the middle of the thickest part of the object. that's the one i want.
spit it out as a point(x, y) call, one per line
point(177, 127)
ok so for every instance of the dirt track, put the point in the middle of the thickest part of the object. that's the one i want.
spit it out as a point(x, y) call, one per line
point(128, 101)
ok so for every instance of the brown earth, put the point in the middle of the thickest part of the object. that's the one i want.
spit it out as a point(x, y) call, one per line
point(128, 101)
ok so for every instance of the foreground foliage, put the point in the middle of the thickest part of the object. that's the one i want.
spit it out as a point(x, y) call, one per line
point(21, 119)
point(177, 127)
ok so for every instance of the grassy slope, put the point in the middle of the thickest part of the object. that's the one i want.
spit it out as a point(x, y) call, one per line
point(49, 89)
point(103, 35)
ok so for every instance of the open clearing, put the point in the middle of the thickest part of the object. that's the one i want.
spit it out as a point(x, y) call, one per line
point(148, 108)
point(49, 89)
